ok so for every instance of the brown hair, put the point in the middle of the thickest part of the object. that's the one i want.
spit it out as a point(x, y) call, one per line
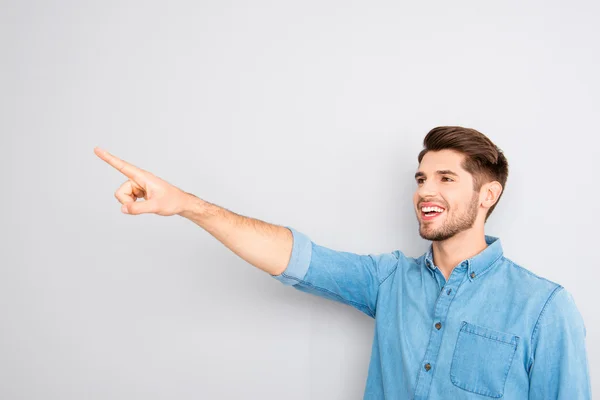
point(483, 159)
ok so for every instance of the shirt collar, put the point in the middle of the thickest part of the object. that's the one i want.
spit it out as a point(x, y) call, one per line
point(479, 263)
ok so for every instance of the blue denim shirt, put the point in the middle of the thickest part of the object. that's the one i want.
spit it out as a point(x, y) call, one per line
point(493, 330)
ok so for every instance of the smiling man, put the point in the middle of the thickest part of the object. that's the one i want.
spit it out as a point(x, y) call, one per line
point(462, 321)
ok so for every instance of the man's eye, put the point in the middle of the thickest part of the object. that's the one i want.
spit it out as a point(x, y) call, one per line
point(450, 179)
point(420, 180)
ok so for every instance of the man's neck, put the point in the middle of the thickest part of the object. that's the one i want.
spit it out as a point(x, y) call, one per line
point(449, 253)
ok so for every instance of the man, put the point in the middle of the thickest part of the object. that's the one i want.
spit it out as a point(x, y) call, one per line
point(461, 321)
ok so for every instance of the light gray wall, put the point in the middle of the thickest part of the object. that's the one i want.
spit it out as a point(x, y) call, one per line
point(308, 114)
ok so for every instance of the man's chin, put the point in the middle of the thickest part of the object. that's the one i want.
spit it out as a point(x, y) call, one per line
point(432, 235)
point(426, 235)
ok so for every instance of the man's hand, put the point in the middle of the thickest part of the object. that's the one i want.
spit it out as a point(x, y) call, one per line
point(161, 197)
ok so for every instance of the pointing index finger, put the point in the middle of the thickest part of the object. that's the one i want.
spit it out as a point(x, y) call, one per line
point(127, 169)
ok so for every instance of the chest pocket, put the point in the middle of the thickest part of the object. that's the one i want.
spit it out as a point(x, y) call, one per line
point(482, 358)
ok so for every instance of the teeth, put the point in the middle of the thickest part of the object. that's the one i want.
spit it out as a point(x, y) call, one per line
point(430, 209)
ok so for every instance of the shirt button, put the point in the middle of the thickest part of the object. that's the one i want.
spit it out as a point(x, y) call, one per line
point(427, 367)
point(438, 326)
point(449, 291)
point(472, 274)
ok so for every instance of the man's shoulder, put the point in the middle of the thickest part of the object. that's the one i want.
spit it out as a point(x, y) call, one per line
point(536, 294)
point(525, 287)
point(524, 276)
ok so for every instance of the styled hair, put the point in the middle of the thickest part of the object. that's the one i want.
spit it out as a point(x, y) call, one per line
point(483, 159)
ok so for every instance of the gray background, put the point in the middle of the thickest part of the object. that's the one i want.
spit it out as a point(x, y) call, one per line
point(309, 114)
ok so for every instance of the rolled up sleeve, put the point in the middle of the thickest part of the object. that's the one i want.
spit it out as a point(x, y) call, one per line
point(349, 278)
point(560, 368)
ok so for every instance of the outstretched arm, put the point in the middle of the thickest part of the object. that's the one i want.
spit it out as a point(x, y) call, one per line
point(286, 254)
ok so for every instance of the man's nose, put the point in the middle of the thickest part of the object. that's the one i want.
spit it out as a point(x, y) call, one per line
point(427, 190)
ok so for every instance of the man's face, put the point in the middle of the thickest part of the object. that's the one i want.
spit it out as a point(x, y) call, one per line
point(441, 180)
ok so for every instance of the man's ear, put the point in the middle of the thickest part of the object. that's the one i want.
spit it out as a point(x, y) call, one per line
point(492, 191)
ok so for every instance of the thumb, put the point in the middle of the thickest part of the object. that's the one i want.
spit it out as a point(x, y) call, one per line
point(137, 207)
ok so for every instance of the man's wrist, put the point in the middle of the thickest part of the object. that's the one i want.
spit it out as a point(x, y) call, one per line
point(193, 207)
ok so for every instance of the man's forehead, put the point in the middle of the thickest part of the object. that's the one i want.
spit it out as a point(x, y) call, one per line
point(442, 160)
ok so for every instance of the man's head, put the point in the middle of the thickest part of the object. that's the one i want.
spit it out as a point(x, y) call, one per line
point(462, 172)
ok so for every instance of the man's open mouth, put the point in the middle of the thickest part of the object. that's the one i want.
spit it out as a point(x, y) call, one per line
point(429, 213)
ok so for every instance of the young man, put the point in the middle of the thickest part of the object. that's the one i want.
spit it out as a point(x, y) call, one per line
point(461, 321)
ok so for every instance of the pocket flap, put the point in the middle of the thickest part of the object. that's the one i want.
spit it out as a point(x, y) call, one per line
point(490, 333)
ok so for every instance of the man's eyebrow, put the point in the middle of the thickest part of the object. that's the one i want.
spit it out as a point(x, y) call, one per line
point(439, 172)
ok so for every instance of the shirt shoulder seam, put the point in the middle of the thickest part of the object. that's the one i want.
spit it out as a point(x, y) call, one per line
point(391, 272)
point(557, 289)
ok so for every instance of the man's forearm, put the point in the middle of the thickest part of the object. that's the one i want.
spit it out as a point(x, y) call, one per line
point(266, 246)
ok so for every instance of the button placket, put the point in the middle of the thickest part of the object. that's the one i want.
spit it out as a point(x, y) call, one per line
point(442, 306)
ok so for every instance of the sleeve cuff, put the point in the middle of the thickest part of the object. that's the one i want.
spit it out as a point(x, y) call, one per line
point(299, 261)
